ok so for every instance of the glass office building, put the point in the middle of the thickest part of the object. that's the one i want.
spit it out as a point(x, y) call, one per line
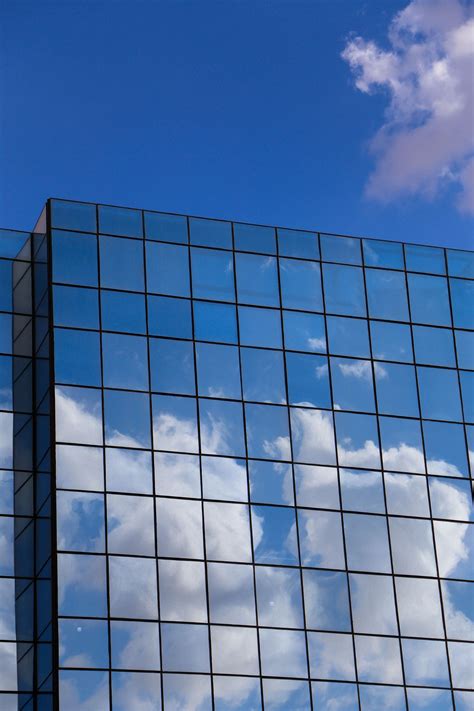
point(253, 492)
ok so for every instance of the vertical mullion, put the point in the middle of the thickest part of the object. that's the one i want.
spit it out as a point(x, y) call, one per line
point(339, 485)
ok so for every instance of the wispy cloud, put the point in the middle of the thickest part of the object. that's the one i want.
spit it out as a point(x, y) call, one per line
point(426, 141)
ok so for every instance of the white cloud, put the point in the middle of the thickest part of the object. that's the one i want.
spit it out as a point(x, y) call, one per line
point(426, 140)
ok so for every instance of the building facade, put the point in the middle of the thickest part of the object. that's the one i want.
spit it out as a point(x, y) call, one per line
point(234, 468)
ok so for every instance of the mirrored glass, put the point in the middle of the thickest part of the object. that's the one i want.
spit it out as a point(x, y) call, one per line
point(465, 348)
point(458, 599)
point(267, 432)
point(461, 657)
point(420, 258)
point(167, 269)
point(130, 524)
point(296, 243)
point(81, 640)
point(435, 699)
point(434, 346)
point(425, 662)
point(396, 389)
point(257, 280)
point(77, 357)
point(123, 312)
point(125, 361)
point(335, 248)
point(362, 491)
point(328, 695)
point(279, 695)
point(121, 263)
point(80, 521)
point(177, 475)
point(179, 528)
point(367, 543)
point(304, 332)
point(79, 467)
point(412, 546)
point(166, 227)
point(283, 653)
point(185, 647)
point(87, 688)
point(274, 535)
point(373, 698)
point(218, 370)
point(455, 549)
point(391, 341)
point(320, 534)
point(467, 391)
point(331, 656)
point(213, 274)
point(439, 393)
point(316, 486)
point(464, 700)
point(128, 470)
point(387, 294)
point(215, 322)
point(419, 607)
point(254, 238)
point(76, 307)
point(210, 233)
point(406, 495)
point(224, 479)
point(357, 440)
point(348, 336)
point(279, 598)
point(78, 415)
point(462, 296)
point(175, 423)
point(352, 384)
point(231, 593)
point(169, 317)
point(271, 482)
point(263, 376)
point(344, 290)
point(222, 430)
point(378, 253)
point(120, 221)
point(308, 380)
point(326, 600)
point(451, 498)
point(445, 448)
point(373, 604)
point(301, 285)
point(135, 645)
point(172, 366)
point(182, 591)
point(135, 690)
point(74, 258)
point(227, 529)
point(429, 300)
point(460, 263)
point(73, 215)
point(378, 659)
point(82, 588)
point(312, 434)
point(127, 599)
point(127, 419)
point(234, 650)
point(184, 691)
point(231, 691)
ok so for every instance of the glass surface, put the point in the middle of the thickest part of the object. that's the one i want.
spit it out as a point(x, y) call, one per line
point(167, 269)
point(296, 243)
point(270, 482)
point(467, 392)
point(304, 332)
point(214, 322)
point(313, 436)
point(120, 221)
point(75, 307)
point(348, 336)
point(213, 274)
point(382, 254)
point(222, 429)
point(357, 440)
point(462, 296)
point(123, 312)
point(420, 258)
point(169, 317)
point(125, 361)
point(434, 346)
point(465, 349)
point(210, 233)
point(218, 370)
point(77, 357)
point(172, 366)
point(396, 389)
point(352, 383)
point(445, 449)
point(439, 393)
point(263, 376)
point(326, 600)
point(308, 380)
point(277, 540)
point(78, 415)
point(460, 264)
point(301, 285)
point(175, 423)
point(254, 238)
point(367, 543)
point(73, 215)
point(74, 258)
point(344, 290)
point(257, 280)
point(267, 431)
point(429, 300)
point(391, 341)
point(279, 599)
point(259, 327)
point(362, 491)
point(402, 448)
point(373, 604)
point(121, 263)
point(386, 294)
point(127, 419)
point(340, 249)
point(165, 227)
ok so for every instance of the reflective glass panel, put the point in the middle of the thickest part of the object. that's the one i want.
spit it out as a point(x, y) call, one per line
point(213, 274)
point(254, 238)
point(301, 285)
point(352, 384)
point(439, 394)
point(425, 259)
point(123, 312)
point(165, 227)
point(74, 258)
point(348, 336)
point(121, 263)
point(263, 376)
point(465, 349)
point(75, 307)
point(175, 423)
point(462, 296)
point(167, 269)
point(169, 317)
point(77, 357)
point(386, 294)
point(434, 346)
point(73, 215)
point(429, 300)
point(125, 361)
point(296, 243)
point(218, 370)
point(257, 280)
point(259, 327)
point(304, 332)
point(172, 366)
point(308, 380)
point(340, 249)
point(391, 341)
point(222, 429)
point(445, 449)
point(120, 221)
point(344, 290)
point(460, 264)
point(210, 233)
point(127, 419)
point(215, 322)
point(382, 254)
point(396, 389)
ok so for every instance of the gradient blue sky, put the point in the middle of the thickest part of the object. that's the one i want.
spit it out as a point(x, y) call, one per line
point(238, 109)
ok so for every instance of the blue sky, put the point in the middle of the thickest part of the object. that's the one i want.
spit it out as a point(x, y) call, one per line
point(238, 109)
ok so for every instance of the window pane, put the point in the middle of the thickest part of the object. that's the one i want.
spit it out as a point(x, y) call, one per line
point(177, 475)
point(296, 243)
point(276, 540)
point(83, 638)
point(257, 280)
point(234, 650)
point(127, 419)
point(283, 653)
point(316, 486)
point(267, 432)
point(120, 221)
point(301, 285)
point(172, 366)
point(125, 360)
point(348, 336)
point(326, 600)
point(231, 593)
point(215, 322)
point(182, 591)
point(434, 346)
point(460, 264)
point(320, 534)
point(419, 607)
point(169, 317)
point(259, 327)
point(270, 482)
point(263, 375)
point(77, 357)
point(383, 254)
point(378, 660)
point(357, 440)
point(344, 290)
point(254, 238)
point(391, 341)
point(169, 228)
point(227, 530)
point(465, 349)
point(126, 598)
point(402, 448)
point(218, 370)
point(308, 380)
point(175, 423)
point(75, 307)
point(312, 436)
point(304, 332)
point(74, 258)
point(396, 389)
point(210, 233)
point(128, 470)
point(127, 637)
point(179, 528)
point(73, 215)
point(439, 394)
point(445, 449)
point(222, 429)
point(167, 269)
point(331, 655)
point(367, 543)
point(386, 293)
point(78, 415)
point(424, 259)
point(279, 598)
point(467, 390)
point(462, 295)
point(429, 300)
point(340, 249)
point(224, 479)
point(79, 468)
point(352, 384)
point(80, 521)
point(121, 263)
point(123, 312)
point(373, 604)
point(213, 274)
point(362, 491)
point(412, 547)
point(130, 525)
point(82, 585)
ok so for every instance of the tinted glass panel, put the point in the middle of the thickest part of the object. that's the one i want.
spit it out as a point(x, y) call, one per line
point(294, 243)
point(210, 233)
point(344, 290)
point(120, 221)
point(424, 259)
point(213, 275)
point(121, 263)
point(340, 249)
point(383, 254)
point(167, 269)
point(254, 238)
point(257, 280)
point(74, 258)
point(73, 215)
point(169, 228)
